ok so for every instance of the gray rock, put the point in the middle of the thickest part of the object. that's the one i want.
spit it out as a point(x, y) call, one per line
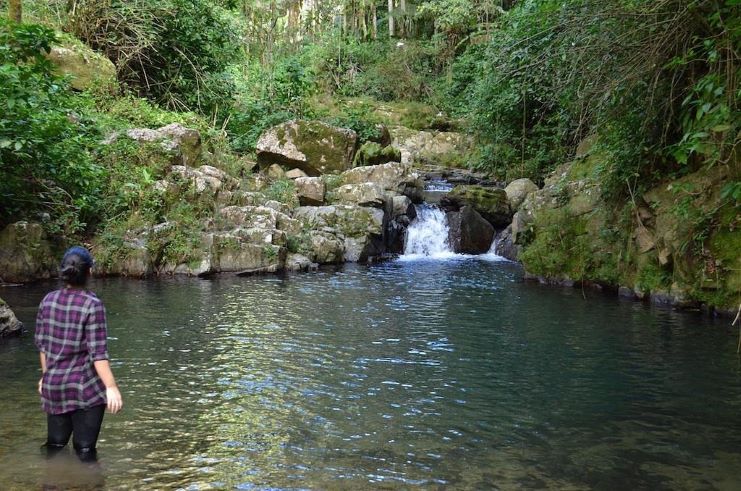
point(365, 194)
point(276, 172)
point(402, 205)
point(490, 203)
point(505, 244)
point(85, 68)
point(298, 262)
point(310, 191)
point(392, 176)
point(518, 190)
point(9, 323)
point(295, 173)
point(325, 248)
point(181, 144)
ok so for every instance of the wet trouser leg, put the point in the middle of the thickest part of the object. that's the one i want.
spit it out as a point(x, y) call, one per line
point(82, 424)
point(85, 430)
point(59, 429)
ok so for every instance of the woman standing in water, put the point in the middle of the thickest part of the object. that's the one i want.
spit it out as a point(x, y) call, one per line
point(77, 383)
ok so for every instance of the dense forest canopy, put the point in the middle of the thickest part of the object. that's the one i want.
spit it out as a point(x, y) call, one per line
point(657, 80)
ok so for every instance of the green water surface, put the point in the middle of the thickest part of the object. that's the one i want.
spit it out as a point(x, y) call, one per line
point(424, 374)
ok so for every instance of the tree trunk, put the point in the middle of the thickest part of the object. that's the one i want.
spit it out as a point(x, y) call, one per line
point(402, 18)
point(15, 10)
point(374, 26)
point(391, 18)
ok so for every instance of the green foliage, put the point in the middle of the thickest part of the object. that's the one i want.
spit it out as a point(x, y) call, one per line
point(45, 147)
point(654, 79)
point(359, 117)
point(283, 191)
point(175, 52)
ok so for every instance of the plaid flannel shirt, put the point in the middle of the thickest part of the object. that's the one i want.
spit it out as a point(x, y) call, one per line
point(71, 331)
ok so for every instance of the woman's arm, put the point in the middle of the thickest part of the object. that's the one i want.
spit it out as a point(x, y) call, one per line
point(113, 395)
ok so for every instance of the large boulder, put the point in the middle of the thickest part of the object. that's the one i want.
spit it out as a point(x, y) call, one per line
point(490, 203)
point(518, 190)
point(9, 323)
point(359, 230)
point(312, 146)
point(25, 253)
point(325, 248)
point(205, 180)
point(178, 144)
point(469, 232)
point(85, 68)
point(130, 258)
point(393, 176)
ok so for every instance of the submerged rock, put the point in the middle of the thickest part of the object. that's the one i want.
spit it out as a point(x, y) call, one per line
point(312, 146)
point(9, 323)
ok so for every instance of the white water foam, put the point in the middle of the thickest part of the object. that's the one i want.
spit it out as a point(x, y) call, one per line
point(427, 236)
point(492, 255)
point(427, 239)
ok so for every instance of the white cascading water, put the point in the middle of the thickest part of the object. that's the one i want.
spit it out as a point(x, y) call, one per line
point(427, 236)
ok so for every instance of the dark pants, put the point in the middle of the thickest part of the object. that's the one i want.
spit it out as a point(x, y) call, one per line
point(82, 424)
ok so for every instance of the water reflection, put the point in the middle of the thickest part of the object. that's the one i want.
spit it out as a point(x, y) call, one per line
point(405, 374)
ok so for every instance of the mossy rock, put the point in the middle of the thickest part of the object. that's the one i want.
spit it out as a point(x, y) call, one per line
point(25, 253)
point(490, 203)
point(312, 146)
point(86, 68)
point(372, 153)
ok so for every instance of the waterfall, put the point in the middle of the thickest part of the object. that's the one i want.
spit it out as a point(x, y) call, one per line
point(427, 236)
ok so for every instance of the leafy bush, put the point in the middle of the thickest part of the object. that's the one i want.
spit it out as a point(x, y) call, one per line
point(46, 166)
point(175, 52)
point(656, 81)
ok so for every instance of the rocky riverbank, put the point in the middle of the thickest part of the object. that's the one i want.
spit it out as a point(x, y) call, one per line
point(314, 196)
point(677, 244)
point(306, 201)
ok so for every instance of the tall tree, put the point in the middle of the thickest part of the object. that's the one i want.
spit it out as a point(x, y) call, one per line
point(15, 10)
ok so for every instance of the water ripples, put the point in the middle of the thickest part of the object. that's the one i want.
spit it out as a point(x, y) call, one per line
point(405, 374)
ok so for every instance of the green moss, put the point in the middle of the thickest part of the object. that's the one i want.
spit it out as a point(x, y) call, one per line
point(371, 153)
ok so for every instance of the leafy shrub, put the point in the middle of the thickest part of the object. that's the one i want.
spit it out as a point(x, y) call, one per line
point(46, 166)
point(175, 52)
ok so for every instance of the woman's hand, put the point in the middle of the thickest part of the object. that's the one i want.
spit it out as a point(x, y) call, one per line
point(41, 382)
point(113, 396)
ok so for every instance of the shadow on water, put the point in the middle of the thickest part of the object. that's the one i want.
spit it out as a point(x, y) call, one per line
point(405, 374)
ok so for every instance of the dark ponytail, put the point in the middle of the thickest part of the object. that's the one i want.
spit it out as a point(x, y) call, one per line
point(75, 267)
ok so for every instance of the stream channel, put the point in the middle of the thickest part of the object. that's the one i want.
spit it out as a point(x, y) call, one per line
point(447, 372)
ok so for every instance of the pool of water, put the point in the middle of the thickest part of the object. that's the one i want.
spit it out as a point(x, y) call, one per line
point(410, 374)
